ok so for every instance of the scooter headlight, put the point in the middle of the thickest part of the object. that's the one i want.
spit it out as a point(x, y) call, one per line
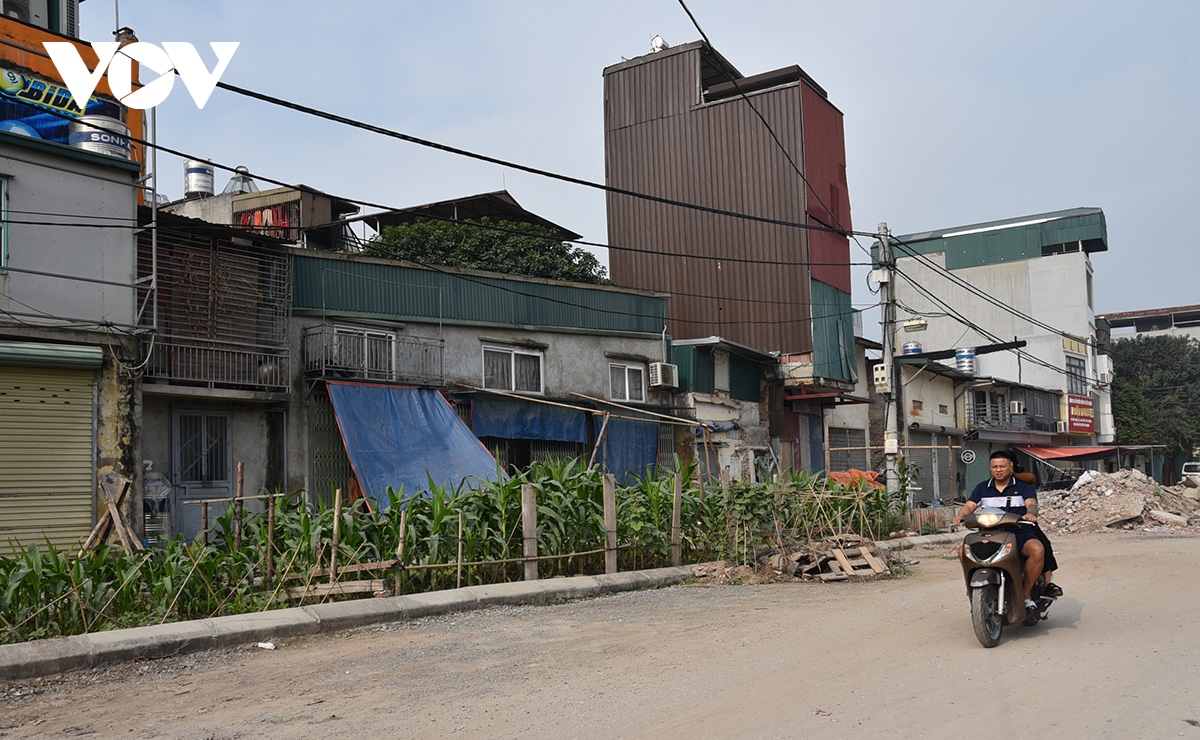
point(988, 519)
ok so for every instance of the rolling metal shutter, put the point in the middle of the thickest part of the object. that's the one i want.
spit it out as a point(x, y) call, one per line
point(46, 451)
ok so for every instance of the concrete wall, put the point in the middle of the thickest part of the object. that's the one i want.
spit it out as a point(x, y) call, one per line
point(1052, 289)
point(854, 415)
point(41, 182)
point(572, 363)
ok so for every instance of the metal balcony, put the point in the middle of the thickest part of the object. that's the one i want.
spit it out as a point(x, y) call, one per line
point(338, 352)
point(219, 365)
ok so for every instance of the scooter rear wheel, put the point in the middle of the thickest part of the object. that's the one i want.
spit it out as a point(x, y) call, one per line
point(984, 617)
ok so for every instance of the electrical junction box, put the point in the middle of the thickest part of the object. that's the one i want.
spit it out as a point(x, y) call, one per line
point(881, 378)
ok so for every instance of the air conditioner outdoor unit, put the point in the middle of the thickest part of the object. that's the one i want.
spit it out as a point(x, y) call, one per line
point(664, 375)
point(1016, 407)
point(1063, 427)
point(1105, 378)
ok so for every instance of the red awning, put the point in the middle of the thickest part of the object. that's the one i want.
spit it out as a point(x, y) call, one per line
point(1078, 453)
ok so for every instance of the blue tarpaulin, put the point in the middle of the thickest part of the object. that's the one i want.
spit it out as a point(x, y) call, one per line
point(632, 447)
point(511, 418)
point(398, 436)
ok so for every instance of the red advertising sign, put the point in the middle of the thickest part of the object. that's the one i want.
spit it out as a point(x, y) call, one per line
point(1081, 415)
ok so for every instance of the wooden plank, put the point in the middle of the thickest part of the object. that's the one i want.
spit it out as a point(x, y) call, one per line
point(321, 590)
point(845, 563)
point(874, 562)
point(833, 577)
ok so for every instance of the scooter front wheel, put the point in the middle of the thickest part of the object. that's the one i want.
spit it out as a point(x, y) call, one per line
point(985, 601)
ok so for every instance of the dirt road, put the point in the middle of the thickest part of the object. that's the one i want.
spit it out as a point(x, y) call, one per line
point(1120, 658)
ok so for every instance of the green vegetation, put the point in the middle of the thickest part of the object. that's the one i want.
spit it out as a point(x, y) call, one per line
point(498, 246)
point(1156, 392)
point(45, 592)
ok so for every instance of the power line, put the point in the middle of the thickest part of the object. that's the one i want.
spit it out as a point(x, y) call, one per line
point(513, 165)
point(970, 324)
point(949, 274)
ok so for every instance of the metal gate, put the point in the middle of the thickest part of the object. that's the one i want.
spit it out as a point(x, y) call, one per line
point(201, 465)
point(46, 448)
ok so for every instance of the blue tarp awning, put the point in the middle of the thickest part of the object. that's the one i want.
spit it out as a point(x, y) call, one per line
point(511, 418)
point(630, 448)
point(403, 437)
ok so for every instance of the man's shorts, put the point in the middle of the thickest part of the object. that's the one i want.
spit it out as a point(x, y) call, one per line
point(1026, 533)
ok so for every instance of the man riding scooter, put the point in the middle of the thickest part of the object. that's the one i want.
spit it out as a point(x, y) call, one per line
point(1004, 491)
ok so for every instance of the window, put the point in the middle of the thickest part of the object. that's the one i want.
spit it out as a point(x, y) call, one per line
point(1076, 376)
point(510, 369)
point(626, 382)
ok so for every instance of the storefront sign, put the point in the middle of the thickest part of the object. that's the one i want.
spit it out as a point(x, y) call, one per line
point(1081, 418)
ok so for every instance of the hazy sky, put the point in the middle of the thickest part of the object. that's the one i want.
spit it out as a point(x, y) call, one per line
point(955, 112)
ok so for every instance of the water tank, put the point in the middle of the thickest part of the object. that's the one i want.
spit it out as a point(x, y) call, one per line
point(101, 135)
point(964, 360)
point(910, 348)
point(198, 179)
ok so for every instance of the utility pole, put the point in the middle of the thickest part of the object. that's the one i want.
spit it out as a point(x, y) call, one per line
point(886, 279)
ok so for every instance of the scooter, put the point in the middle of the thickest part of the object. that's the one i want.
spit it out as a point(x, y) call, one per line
point(995, 573)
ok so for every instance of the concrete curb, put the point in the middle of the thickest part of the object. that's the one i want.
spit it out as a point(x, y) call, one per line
point(57, 655)
point(905, 543)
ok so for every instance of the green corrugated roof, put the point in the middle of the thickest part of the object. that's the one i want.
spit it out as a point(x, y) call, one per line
point(350, 285)
point(1007, 240)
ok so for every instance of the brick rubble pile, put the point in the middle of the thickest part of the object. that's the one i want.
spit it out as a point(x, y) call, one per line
point(1127, 499)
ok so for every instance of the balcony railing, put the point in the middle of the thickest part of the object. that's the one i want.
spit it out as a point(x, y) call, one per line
point(996, 418)
point(368, 354)
point(214, 365)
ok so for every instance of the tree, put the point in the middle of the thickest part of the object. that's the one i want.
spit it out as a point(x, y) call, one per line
point(508, 247)
point(1156, 392)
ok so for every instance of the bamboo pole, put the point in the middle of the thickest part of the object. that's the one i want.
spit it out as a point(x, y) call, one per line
point(677, 522)
point(529, 529)
point(239, 506)
point(337, 531)
point(204, 523)
point(600, 439)
point(610, 523)
point(459, 559)
point(400, 548)
point(270, 579)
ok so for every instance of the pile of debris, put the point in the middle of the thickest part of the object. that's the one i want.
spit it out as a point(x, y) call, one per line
point(1127, 499)
point(831, 559)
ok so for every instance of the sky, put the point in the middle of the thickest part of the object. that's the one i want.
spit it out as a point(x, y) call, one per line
point(955, 112)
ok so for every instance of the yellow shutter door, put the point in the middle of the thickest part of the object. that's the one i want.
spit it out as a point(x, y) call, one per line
point(46, 444)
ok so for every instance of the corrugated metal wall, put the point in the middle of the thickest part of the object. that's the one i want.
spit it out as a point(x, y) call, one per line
point(374, 289)
point(660, 139)
point(829, 198)
point(833, 333)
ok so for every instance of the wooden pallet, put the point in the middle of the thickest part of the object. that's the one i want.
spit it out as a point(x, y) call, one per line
point(863, 563)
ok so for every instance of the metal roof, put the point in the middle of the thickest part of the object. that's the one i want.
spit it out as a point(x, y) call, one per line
point(1128, 316)
point(1010, 239)
point(497, 205)
point(1006, 223)
point(729, 346)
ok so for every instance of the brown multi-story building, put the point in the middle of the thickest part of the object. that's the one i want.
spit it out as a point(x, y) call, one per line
point(677, 126)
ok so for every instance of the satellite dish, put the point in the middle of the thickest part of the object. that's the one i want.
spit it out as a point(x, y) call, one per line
point(658, 43)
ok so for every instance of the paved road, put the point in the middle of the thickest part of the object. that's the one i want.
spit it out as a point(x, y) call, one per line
point(1119, 658)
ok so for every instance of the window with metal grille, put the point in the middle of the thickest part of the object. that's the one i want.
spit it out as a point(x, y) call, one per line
point(842, 455)
point(626, 382)
point(510, 369)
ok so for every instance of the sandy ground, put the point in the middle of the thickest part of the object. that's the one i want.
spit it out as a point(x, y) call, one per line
point(1119, 657)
